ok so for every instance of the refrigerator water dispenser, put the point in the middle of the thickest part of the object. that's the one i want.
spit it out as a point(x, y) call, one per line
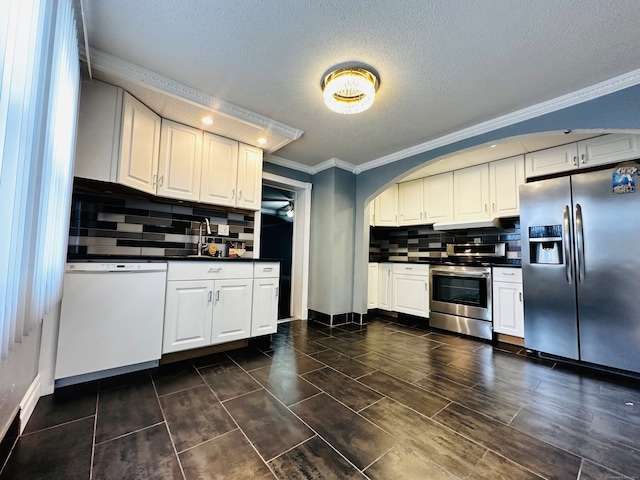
point(545, 245)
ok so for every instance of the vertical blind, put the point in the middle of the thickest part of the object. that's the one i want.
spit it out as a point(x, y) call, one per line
point(39, 82)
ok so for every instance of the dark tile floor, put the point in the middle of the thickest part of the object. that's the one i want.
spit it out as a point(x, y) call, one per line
point(386, 401)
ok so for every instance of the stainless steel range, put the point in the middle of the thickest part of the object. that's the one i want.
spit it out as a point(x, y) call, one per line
point(460, 291)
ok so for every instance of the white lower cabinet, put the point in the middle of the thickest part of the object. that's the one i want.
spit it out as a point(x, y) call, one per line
point(209, 303)
point(266, 289)
point(187, 315)
point(508, 309)
point(232, 300)
point(411, 289)
point(372, 290)
point(385, 286)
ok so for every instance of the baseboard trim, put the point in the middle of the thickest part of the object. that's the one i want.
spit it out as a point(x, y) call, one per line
point(29, 401)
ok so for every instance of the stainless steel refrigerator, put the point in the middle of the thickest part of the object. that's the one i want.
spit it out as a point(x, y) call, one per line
point(581, 269)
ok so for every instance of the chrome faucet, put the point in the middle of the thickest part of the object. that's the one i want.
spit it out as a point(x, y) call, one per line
point(206, 221)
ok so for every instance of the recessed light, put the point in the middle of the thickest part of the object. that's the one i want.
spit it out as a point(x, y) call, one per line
point(262, 141)
point(207, 120)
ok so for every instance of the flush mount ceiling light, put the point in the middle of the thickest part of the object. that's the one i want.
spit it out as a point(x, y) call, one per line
point(349, 90)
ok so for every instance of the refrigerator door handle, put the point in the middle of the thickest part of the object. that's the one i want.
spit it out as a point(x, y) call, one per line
point(568, 261)
point(580, 244)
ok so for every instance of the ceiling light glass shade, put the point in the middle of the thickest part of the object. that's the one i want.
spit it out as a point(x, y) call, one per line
point(349, 90)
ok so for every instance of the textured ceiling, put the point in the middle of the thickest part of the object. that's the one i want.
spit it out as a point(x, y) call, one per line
point(444, 66)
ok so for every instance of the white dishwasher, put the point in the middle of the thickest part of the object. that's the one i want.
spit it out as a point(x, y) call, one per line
point(112, 316)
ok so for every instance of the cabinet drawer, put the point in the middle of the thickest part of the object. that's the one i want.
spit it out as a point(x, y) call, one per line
point(411, 269)
point(203, 270)
point(266, 270)
point(511, 275)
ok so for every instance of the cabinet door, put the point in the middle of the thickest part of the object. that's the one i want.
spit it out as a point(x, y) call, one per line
point(387, 207)
point(508, 311)
point(139, 146)
point(99, 126)
point(438, 198)
point(385, 293)
point(411, 295)
point(505, 178)
point(232, 301)
point(219, 171)
point(249, 177)
point(264, 320)
point(410, 202)
point(372, 291)
point(180, 161)
point(608, 149)
point(471, 193)
point(187, 318)
point(551, 160)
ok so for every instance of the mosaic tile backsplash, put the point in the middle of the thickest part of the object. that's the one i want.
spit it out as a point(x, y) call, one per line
point(120, 224)
point(424, 244)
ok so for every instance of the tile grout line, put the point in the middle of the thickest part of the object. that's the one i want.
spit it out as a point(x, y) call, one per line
point(166, 424)
point(93, 437)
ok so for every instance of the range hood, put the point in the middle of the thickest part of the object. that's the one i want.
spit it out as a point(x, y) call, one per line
point(467, 224)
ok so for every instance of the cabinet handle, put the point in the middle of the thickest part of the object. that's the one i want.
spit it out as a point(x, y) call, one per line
point(233, 193)
point(154, 180)
point(217, 296)
point(493, 206)
point(583, 158)
point(408, 268)
point(239, 194)
point(210, 295)
point(510, 274)
point(161, 180)
point(575, 160)
point(267, 269)
point(420, 215)
point(486, 207)
point(215, 270)
point(277, 291)
point(520, 295)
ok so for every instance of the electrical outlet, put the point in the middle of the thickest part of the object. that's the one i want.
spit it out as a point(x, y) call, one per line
point(223, 230)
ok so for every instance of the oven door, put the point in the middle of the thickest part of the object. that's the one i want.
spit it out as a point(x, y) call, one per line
point(461, 291)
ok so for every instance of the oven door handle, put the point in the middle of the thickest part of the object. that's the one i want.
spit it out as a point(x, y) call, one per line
point(447, 273)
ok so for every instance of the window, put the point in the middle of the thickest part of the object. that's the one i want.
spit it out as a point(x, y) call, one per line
point(39, 82)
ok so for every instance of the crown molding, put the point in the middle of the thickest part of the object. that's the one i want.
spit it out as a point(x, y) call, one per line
point(106, 63)
point(334, 162)
point(580, 96)
point(283, 162)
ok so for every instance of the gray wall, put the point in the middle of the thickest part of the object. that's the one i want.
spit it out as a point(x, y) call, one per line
point(332, 242)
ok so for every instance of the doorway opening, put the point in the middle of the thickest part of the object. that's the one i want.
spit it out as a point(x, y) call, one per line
point(276, 238)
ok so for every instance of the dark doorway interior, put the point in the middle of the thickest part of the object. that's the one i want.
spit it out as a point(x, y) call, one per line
point(276, 239)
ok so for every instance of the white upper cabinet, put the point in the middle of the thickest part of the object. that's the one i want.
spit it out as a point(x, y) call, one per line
point(219, 170)
point(471, 193)
point(180, 161)
point(551, 160)
point(249, 185)
point(438, 198)
point(99, 130)
point(372, 213)
point(387, 207)
point(505, 178)
point(121, 140)
point(608, 149)
point(584, 154)
point(139, 146)
point(410, 202)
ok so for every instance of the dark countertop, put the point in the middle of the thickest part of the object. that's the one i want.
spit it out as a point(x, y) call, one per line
point(445, 261)
point(139, 258)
